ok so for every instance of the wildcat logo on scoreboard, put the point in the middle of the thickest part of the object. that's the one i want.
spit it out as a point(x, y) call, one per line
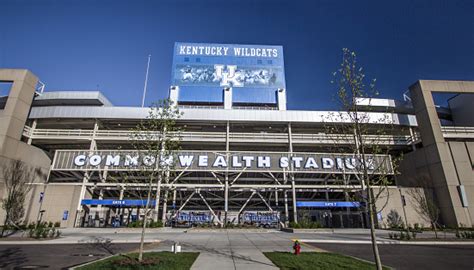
point(203, 70)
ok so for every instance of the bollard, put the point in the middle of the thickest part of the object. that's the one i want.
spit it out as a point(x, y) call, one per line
point(176, 248)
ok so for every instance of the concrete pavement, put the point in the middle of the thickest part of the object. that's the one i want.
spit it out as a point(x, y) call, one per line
point(219, 248)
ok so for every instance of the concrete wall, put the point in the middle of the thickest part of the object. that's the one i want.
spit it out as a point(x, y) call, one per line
point(391, 199)
point(56, 200)
point(12, 122)
point(443, 164)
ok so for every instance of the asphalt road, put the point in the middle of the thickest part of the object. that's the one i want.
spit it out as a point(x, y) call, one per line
point(411, 256)
point(55, 256)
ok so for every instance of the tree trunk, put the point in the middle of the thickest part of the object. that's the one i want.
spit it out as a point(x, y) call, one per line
point(145, 219)
point(370, 198)
point(375, 248)
point(435, 230)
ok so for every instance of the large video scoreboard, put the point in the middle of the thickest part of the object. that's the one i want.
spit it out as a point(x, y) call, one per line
point(202, 71)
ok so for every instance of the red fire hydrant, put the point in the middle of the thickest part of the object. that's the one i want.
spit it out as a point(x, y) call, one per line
point(297, 248)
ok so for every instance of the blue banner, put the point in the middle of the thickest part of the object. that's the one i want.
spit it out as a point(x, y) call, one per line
point(194, 217)
point(202, 71)
point(261, 217)
point(327, 204)
point(117, 202)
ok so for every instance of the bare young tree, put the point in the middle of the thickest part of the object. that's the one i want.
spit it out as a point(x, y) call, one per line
point(423, 198)
point(17, 176)
point(366, 135)
point(156, 140)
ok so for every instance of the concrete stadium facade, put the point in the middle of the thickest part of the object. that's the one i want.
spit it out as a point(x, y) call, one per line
point(58, 131)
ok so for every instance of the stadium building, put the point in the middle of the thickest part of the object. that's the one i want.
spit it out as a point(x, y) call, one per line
point(244, 157)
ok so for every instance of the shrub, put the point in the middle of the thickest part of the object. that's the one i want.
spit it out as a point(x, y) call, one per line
point(41, 231)
point(155, 224)
point(417, 227)
point(305, 225)
point(394, 220)
point(467, 235)
point(150, 224)
point(57, 224)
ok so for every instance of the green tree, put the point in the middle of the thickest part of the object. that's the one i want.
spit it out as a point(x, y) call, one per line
point(364, 134)
point(156, 140)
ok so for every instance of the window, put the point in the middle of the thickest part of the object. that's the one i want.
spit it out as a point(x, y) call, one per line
point(4, 92)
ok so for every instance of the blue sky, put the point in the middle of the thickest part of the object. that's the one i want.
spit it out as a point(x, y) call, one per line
point(85, 45)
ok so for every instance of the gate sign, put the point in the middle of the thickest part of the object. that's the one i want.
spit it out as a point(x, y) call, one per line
point(319, 204)
point(110, 202)
point(202, 71)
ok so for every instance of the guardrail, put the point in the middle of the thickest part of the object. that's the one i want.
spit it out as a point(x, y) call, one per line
point(263, 137)
point(457, 132)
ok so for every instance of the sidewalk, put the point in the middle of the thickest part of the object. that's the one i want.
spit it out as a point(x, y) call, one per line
point(231, 250)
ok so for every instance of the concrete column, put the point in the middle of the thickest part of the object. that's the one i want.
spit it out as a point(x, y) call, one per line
point(165, 205)
point(157, 199)
point(85, 179)
point(228, 98)
point(412, 135)
point(226, 183)
point(174, 94)
point(174, 199)
point(285, 194)
point(281, 98)
point(33, 127)
point(292, 176)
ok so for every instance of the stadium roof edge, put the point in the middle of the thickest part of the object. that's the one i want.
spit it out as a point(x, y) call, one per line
point(68, 98)
point(234, 115)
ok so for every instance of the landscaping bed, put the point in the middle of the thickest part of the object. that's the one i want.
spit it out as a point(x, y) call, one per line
point(314, 260)
point(151, 260)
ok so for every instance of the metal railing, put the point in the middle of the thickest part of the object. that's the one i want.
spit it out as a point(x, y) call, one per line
point(263, 137)
point(457, 132)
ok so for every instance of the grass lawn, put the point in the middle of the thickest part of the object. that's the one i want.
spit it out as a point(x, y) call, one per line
point(167, 261)
point(313, 260)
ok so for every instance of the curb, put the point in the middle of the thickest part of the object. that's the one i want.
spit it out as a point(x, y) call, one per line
point(388, 242)
point(78, 242)
point(91, 262)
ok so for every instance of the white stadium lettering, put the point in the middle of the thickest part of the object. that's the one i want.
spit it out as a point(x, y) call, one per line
point(328, 163)
point(112, 160)
point(95, 160)
point(80, 160)
point(220, 162)
point(202, 161)
point(185, 161)
point(263, 162)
